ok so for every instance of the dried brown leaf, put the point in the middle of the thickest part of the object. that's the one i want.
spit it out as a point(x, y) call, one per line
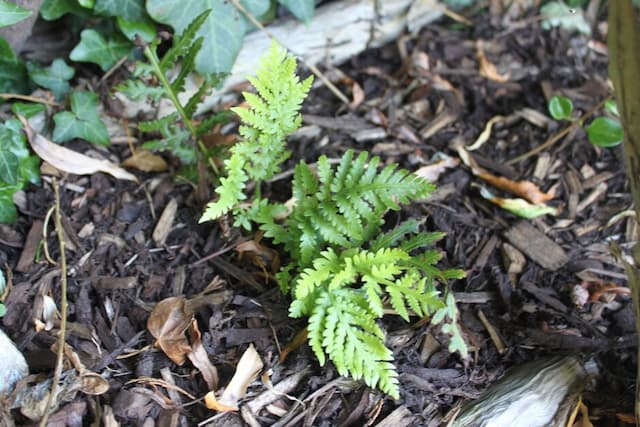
point(525, 189)
point(146, 161)
point(247, 371)
point(259, 255)
point(168, 323)
point(200, 359)
point(71, 161)
point(433, 171)
point(488, 69)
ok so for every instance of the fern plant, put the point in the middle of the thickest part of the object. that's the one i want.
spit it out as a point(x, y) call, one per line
point(344, 269)
point(180, 133)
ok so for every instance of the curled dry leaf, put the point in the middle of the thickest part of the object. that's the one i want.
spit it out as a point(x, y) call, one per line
point(486, 133)
point(198, 356)
point(247, 371)
point(259, 255)
point(487, 69)
point(168, 323)
point(146, 161)
point(519, 207)
point(71, 161)
point(525, 189)
point(433, 171)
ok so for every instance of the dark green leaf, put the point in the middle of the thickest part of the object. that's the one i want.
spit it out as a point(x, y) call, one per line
point(54, 9)
point(256, 7)
point(26, 109)
point(83, 122)
point(13, 73)
point(560, 108)
point(223, 31)
point(605, 132)
point(131, 10)
point(11, 13)
point(55, 77)
point(146, 29)
point(301, 9)
point(9, 165)
point(8, 212)
point(105, 52)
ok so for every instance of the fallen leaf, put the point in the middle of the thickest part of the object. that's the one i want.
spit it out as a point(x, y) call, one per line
point(519, 207)
point(297, 342)
point(247, 371)
point(168, 323)
point(146, 161)
point(198, 356)
point(71, 161)
point(487, 69)
point(525, 189)
point(486, 133)
point(358, 95)
point(433, 171)
point(259, 254)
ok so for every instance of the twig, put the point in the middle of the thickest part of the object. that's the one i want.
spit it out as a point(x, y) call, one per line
point(555, 138)
point(29, 98)
point(341, 96)
point(63, 308)
point(45, 232)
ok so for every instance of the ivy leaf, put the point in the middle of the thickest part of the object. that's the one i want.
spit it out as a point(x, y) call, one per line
point(26, 109)
point(8, 212)
point(145, 29)
point(55, 77)
point(222, 32)
point(560, 108)
point(131, 10)
point(558, 14)
point(301, 9)
point(605, 132)
point(82, 122)
point(11, 13)
point(105, 52)
point(54, 9)
point(9, 165)
point(13, 73)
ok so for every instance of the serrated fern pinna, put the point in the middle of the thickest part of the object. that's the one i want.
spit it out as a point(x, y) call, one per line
point(344, 268)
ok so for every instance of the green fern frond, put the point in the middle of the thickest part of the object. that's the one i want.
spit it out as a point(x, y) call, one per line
point(158, 125)
point(230, 190)
point(183, 43)
point(186, 67)
point(342, 205)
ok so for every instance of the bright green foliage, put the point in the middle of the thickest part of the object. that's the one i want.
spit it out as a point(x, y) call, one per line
point(55, 77)
point(605, 132)
point(11, 13)
point(560, 108)
point(179, 134)
point(344, 270)
point(271, 116)
point(17, 167)
point(83, 121)
point(98, 49)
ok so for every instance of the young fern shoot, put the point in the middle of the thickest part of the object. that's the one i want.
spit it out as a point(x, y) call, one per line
point(344, 269)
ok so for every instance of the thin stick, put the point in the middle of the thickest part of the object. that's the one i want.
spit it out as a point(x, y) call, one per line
point(555, 138)
point(63, 308)
point(28, 98)
point(341, 96)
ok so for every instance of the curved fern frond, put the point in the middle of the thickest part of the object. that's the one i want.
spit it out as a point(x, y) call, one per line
point(230, 190)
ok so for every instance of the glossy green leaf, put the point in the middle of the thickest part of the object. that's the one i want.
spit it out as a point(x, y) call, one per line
point(26, 109)
point(130, 10)
point(83, 121)
point(54, 9)
point(146, 29)
point(8, 212)
point(55, 77)
point(560, 108)
point(11, 13)
point(13, 73)
point(605, 132)
point(95, 48)
point(9, 165)
point(301, 9)
point(222, 32)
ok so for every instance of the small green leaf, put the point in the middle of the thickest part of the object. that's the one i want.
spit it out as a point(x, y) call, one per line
point(605, 132)
point(612, 107)
point(13, 73)
point(560, 108)
point(131, 10)
point(9, 165)
point(55, 77)
point(105, 52)
point(27, 110)
point(83, 122)
point(11, 13)
point(301, 9)
point(54, 9)
point(8, 212)
point(145, 29)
